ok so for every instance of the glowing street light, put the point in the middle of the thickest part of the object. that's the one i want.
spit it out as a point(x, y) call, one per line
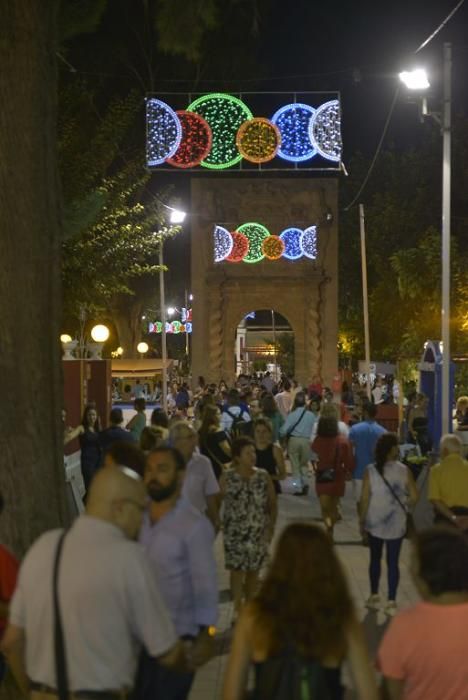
point(177, 216)
point(65, 338)
point(171, 310)
point(415, 79)
point(142, 348)
point(100, 333)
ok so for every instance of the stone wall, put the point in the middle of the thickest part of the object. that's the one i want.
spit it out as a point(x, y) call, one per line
point(303, 291)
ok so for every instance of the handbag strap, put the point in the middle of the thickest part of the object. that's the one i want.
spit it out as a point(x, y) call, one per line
point(59, 639)
point(291, 430)
point(392, 492)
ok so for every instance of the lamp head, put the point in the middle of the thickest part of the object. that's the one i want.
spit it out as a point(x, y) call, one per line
point(415, 79)
point(177, 216)
point(142, 348)
point(100, 333)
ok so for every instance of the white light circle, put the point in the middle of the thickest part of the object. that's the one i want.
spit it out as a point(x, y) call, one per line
point(65, 338)
point(100, 333)
point(142, 348)
point(309, 242)
point(325, 131)
point(163, 131)
point(222, 243)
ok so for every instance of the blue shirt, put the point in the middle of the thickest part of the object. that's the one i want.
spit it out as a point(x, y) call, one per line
point(180, 549)
point(304, 426)
point(363, 437)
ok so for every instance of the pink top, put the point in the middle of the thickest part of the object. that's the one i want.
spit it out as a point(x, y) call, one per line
point(426, 646)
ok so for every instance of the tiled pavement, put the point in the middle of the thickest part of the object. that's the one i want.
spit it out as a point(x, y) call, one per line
point(208, 682)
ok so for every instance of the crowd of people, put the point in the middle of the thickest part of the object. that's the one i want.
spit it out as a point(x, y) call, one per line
point(133, 582)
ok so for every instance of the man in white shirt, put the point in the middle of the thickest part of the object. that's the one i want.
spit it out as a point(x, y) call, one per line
point(109, 602)
point(200, 486)
point(284, 399)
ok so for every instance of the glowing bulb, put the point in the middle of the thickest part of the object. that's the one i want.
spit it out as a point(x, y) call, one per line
point(415, 79)
point(177, 216)
point(100, 333)
point(119, 350)
point(142, 348)
point(170, 311)
point(65, 338)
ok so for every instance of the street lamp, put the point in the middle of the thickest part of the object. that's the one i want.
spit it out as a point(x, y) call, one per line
point(177, 216)
point(171, 310)
point(417, 80)
point(142, 348)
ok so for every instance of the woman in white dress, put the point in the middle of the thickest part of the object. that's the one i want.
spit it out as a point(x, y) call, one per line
point(388, 491)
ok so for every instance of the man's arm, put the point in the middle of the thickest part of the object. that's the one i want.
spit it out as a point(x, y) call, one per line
point(12, 647)
point(212, 511)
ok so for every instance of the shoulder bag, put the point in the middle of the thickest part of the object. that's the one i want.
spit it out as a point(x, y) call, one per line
point(410, 527)
point(294, 426)
point(328, 475)
point(59, 639)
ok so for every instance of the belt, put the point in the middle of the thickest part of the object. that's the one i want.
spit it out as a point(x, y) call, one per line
point(84, 694)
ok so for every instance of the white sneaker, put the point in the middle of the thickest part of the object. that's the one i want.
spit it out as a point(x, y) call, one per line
point(373, 602)
point(391, 608)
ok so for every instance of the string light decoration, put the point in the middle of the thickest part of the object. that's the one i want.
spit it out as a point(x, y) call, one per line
point(240, 247)
point(224, 114)
point(195, 143)
point(255, 233)
point(163, 132)
point(258, 140)
point(291, 238)
point(308, 242)
point(293, 122)
point(222, 243)
point(273, 247)
point(325, 131)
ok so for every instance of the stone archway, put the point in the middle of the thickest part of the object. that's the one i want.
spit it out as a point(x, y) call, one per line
point(303, 291)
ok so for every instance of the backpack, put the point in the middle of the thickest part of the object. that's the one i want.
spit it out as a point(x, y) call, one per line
point(291, 677)
point(239, 426)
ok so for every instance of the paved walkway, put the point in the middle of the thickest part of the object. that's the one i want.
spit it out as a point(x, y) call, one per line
point(208, 683)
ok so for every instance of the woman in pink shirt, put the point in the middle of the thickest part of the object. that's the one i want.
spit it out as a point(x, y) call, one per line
point(423, 655)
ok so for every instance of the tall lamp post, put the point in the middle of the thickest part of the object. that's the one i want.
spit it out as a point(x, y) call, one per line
point(417, 80)
point(176, 217)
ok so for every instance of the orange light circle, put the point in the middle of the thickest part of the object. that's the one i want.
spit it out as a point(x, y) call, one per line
point(273, 247)
point(258, 140)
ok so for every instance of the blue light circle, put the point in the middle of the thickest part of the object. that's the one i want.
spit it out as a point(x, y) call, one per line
point(163, 132)
point(291, 238)
point(308, 242)
point(293, 122)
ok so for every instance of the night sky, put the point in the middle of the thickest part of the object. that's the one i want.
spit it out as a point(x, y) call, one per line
point(354, 46)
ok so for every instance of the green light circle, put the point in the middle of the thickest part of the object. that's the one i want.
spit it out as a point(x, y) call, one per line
point(224, 114)
point(256, 233)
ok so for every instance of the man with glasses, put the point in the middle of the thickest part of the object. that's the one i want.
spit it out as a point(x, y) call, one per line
point(109, 601)
point(178, 541)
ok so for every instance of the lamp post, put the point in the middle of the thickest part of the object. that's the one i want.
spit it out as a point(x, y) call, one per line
point(417, 80)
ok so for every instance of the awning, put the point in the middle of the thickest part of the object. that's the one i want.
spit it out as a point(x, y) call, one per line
point(122, 369)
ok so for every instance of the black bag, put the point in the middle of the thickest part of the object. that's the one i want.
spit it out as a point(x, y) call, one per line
point(239, 427)
point(328, 475)
point(290, 677)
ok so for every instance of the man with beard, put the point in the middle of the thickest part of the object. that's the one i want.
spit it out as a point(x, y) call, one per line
point(178, 541)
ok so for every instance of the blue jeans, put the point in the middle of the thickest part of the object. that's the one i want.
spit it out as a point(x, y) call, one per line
point(156, 682)
point(393, 548)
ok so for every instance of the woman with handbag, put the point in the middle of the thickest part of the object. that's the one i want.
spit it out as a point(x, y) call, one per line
point(213, 442)
point(388, 490)
point(334, 465)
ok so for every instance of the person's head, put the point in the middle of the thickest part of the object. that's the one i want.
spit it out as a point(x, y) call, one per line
point(314, 404)
point(90, 417)
point(386, 450)
point(152, 436)
point(184, 438)
point(243, 452)
point(268, 405)
point(159, 417)
point(139, 405)
point(441, 561)
point(305, 595)
point(263, 431)
point(299, 400)
point(117, 495)
point(369, 411)
point(329, 410)
point(233, 397)
point(116, 416)
point(449, 445)
point(421, 399)
point(327, 426)
point(462, 404)
point(210, 418)
point(286, 385)
point(201, 382)
point(125, 454)
point(164, 473)
point(267, 374)
point(222, 385)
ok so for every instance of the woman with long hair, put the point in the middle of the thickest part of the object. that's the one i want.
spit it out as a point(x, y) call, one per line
point(213, 442)
point(269, 409)
point(269, 456)
point(300, 627)
point(388, 490)
point(91, 453)
point(249, 519)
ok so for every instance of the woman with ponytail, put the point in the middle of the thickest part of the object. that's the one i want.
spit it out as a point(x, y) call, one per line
point(388, 491)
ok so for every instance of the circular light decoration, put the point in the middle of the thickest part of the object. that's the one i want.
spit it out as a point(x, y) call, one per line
point(163, 131)
point(256, 234)
point(308, 242)
point(258, 140)
point(224, 114)
point(195, 143)
point(325, 131)
point(291, 238)
point(273, 247)
point(293, 122)
point(240, 247)
point(222, 243)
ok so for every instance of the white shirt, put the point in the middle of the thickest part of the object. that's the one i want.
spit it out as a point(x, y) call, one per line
point(199, 482)
point(227, 418)
point(385, 517)
point(109, 602)
point(343, 429)
point(284, 401)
